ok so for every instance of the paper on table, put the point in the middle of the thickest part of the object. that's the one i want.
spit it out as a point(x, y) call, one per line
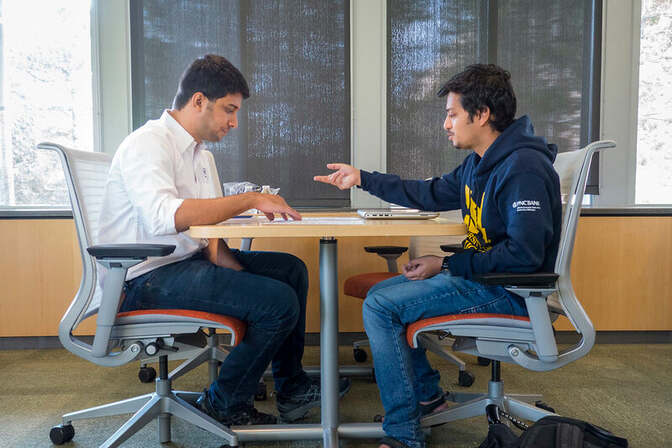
point(320, 220)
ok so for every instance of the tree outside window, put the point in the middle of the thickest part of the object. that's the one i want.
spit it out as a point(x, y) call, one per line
point(654, 152)
point(46, 95)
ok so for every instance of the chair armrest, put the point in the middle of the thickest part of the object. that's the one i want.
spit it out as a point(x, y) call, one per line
point(453, 248)
point(137, 251)
point(386, 250)
point(389, 253)
point(535, 280)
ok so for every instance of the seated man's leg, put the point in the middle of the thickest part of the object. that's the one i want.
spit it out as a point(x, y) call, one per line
point(287, 363)
point(297, 393)
point(394, 304)
point(426, 384)
point(269, 307)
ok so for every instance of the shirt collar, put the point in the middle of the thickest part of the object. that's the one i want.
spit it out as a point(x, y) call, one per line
point(183, 139)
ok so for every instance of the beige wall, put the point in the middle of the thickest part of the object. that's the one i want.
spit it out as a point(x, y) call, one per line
point(622, 272)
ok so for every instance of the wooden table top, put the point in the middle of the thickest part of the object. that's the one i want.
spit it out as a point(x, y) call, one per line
point(327, 225)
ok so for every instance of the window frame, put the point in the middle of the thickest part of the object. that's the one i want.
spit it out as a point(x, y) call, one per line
point(619, 102)
point(619, 86)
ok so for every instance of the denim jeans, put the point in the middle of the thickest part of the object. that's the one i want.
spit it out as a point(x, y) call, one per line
point(404, 375)
point(269, 295)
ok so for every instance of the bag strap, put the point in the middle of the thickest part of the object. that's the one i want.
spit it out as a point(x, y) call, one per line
point(568, 436)
point(606, 436)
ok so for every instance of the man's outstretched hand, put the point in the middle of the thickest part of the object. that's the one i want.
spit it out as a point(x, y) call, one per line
point(423, 267)
point(345, 177)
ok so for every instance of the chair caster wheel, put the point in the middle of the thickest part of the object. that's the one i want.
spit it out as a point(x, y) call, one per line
point(359, 355)
point(377, 418)
point(543, 405)
point(466, 378)
point(483, 361)
point(262, 392)
point(147, 374)
point(61, 434)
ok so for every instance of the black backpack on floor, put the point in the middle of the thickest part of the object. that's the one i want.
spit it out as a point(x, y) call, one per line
point(553, 432)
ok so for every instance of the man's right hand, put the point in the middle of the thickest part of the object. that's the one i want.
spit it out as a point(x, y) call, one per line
point(269, 204)
point(346, 177)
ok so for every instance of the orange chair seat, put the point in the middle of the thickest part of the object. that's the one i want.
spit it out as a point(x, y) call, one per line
point(419, 326)
point(236, 326)
point(359, 285)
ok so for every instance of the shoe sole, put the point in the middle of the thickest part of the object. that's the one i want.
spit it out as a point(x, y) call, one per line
point(301, 412)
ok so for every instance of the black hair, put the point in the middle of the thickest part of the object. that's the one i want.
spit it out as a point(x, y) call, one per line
point(212, 75)
point(481, 86)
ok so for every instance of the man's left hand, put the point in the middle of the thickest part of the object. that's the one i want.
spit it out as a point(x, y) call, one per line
point(423, 267)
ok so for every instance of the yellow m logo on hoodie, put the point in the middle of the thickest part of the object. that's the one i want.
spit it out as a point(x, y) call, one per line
point(477, 238)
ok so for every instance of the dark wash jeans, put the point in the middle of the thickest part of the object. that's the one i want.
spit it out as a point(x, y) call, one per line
point(269, 296)
point(403, 374)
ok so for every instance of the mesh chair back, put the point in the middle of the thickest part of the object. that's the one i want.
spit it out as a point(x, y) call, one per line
point(86, 176)
point(573, 168)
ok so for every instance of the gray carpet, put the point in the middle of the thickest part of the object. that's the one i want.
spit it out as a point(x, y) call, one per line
point(624, 388)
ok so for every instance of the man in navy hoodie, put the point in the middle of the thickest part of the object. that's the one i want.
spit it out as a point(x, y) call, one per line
point(509, 194)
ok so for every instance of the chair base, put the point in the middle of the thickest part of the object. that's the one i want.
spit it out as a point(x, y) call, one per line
point(212, 353)
point(473, 405)
point(161, 404)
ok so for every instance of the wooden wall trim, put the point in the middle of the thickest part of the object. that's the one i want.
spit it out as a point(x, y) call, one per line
point(621, 271)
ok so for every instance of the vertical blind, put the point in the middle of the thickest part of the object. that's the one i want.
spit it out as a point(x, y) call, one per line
point(427, 42)
point(295, 57)
point(545, 45)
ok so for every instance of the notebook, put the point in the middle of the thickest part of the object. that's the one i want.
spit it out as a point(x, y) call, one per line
point(395, 213)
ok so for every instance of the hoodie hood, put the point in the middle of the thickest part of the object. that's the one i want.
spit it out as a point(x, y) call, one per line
point(517, 135)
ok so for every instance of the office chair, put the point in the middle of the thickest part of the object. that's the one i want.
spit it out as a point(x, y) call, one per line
point(124, 337)
point(526, 341)
point(358, 286)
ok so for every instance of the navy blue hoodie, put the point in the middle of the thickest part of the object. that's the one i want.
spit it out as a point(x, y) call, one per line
point(510, 201)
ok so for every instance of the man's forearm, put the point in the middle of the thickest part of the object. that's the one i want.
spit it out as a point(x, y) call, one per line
point(218, 253)
point(195, 212)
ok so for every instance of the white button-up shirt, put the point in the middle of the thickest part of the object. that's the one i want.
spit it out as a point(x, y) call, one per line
point(153, 171)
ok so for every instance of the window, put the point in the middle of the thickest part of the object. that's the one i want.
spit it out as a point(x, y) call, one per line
point(428, 42)
point(295, 57)
point(46, 95)
point(654, 124)
point(547, 46)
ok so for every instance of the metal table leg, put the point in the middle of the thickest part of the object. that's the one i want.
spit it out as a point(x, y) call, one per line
point(329, 340)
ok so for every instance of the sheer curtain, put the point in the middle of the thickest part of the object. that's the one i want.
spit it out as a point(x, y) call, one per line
point(295, 57)
point(545, 45)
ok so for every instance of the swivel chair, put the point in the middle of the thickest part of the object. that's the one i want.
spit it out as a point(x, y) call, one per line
point(124, 337)
point(526, 341)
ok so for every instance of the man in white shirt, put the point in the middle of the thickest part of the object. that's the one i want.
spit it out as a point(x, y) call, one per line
point(158, 186)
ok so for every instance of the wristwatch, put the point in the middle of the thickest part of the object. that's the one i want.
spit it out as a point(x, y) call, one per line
point(444, 263)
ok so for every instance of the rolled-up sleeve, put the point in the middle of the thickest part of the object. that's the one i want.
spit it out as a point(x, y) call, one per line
point(148, 170)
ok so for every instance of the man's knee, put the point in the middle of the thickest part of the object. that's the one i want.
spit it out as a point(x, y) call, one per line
point(376, 306)
point(300, 269)
point(287, 306)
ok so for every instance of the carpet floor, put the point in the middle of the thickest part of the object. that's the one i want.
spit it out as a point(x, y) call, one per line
point(624, 388)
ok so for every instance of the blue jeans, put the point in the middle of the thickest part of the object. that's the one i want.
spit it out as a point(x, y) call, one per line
point(269, 295)
point(404, 375)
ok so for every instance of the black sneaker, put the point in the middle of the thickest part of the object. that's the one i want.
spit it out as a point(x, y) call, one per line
point(247, 415)
point(296, 406)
